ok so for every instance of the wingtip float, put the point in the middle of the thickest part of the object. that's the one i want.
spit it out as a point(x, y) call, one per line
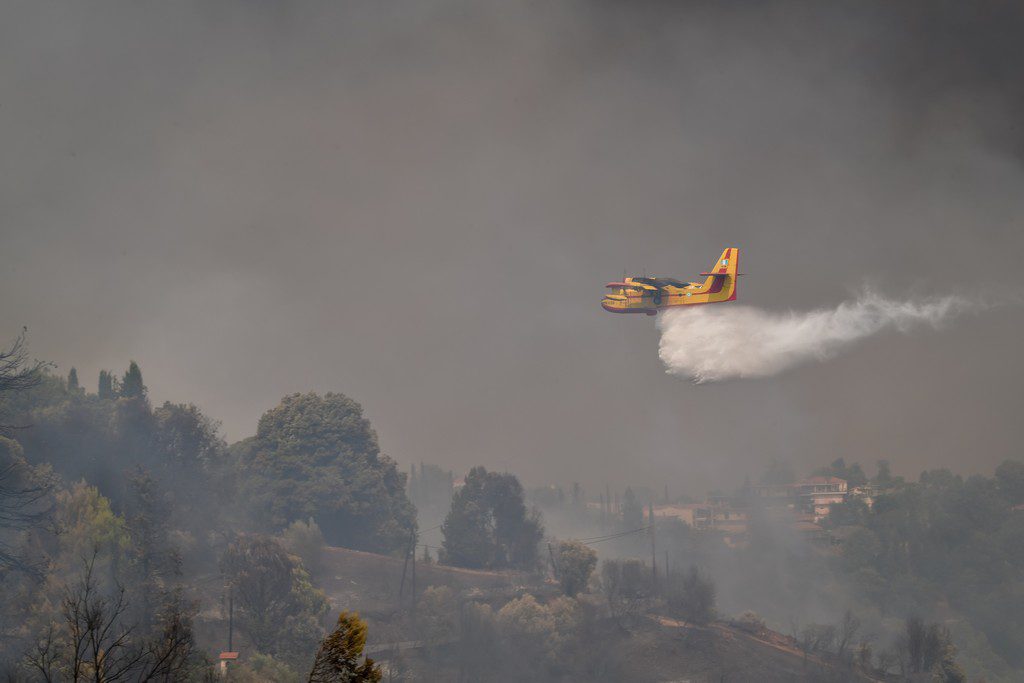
point(652, 294)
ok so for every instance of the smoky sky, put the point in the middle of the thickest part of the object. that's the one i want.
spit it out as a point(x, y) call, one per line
point(418, 204)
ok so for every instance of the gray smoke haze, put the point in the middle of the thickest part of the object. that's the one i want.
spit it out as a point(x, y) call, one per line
point(418, 205)
point(712, 343)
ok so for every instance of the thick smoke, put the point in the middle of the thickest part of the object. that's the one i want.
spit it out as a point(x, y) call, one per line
point(711, 343)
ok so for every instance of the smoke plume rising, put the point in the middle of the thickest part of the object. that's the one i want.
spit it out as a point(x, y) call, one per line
point(711, 343)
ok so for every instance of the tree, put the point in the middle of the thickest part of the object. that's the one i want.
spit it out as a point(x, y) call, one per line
point(437, 615)
point(884, 476)
point(73, 386)
point(854, 474)
point(927, 649)
point(691, 595)
point(478, 647)
point(99, 440)
point(626, 585)
point(468, 534)
point(276, 603)
point(1010, 480)
point(317, 456)
point(105, 388)
point(575, 563)
point(305, 540)
point(131, 385)
point(538, 633)
point(95, 641)
point(189, 459)
point(17, 372)
point(259, 572)
point(847, 632)
point(157, 562)
point(25, 502)
point(337, 661)
point(632, 511)
point(24, 490)
point(489, 525)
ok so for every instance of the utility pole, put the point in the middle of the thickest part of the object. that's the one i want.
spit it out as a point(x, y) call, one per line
point(554, 565)
point(405, 565)
point(231, 618)
point(654, 552)
point(414, 575)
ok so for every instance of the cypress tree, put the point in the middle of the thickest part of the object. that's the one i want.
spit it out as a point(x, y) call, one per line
point(131, 385)
point(106, 385)
point(73, 381)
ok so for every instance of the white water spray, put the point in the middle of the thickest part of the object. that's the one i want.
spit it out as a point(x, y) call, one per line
point(716, 342)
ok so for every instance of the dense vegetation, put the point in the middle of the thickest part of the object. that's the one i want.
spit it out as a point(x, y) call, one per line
point(118, 519)
point(317, 456)
point(123, 521)
point(489, 526)
point(946, 544)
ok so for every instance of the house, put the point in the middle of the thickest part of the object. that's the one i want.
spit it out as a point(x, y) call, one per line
point(771, 495)
point(821, 485)
point(866, 493)
point(817, 495)
point(697, 515)
point(729, 520)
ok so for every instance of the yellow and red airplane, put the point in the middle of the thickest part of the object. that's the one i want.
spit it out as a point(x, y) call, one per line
point(651, 294)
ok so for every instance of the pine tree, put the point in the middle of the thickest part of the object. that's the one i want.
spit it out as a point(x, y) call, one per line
point(73, 382)
point(131, 385)
point(337, 661)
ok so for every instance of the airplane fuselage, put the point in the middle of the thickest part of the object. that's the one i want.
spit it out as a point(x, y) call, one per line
point(652, 294)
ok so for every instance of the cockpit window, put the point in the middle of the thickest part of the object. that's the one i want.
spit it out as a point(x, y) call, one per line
point(659, 281)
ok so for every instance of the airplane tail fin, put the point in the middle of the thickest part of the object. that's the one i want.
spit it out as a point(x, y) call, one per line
point(722, 277)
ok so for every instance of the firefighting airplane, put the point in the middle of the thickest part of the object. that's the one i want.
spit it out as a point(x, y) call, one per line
point(651, 294)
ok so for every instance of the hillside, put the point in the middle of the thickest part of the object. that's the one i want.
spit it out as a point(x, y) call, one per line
point(655, 648)
point(657, 652)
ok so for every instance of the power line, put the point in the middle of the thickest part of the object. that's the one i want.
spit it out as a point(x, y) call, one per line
point(586, 541)
point(609, 537)
point(606, 537)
